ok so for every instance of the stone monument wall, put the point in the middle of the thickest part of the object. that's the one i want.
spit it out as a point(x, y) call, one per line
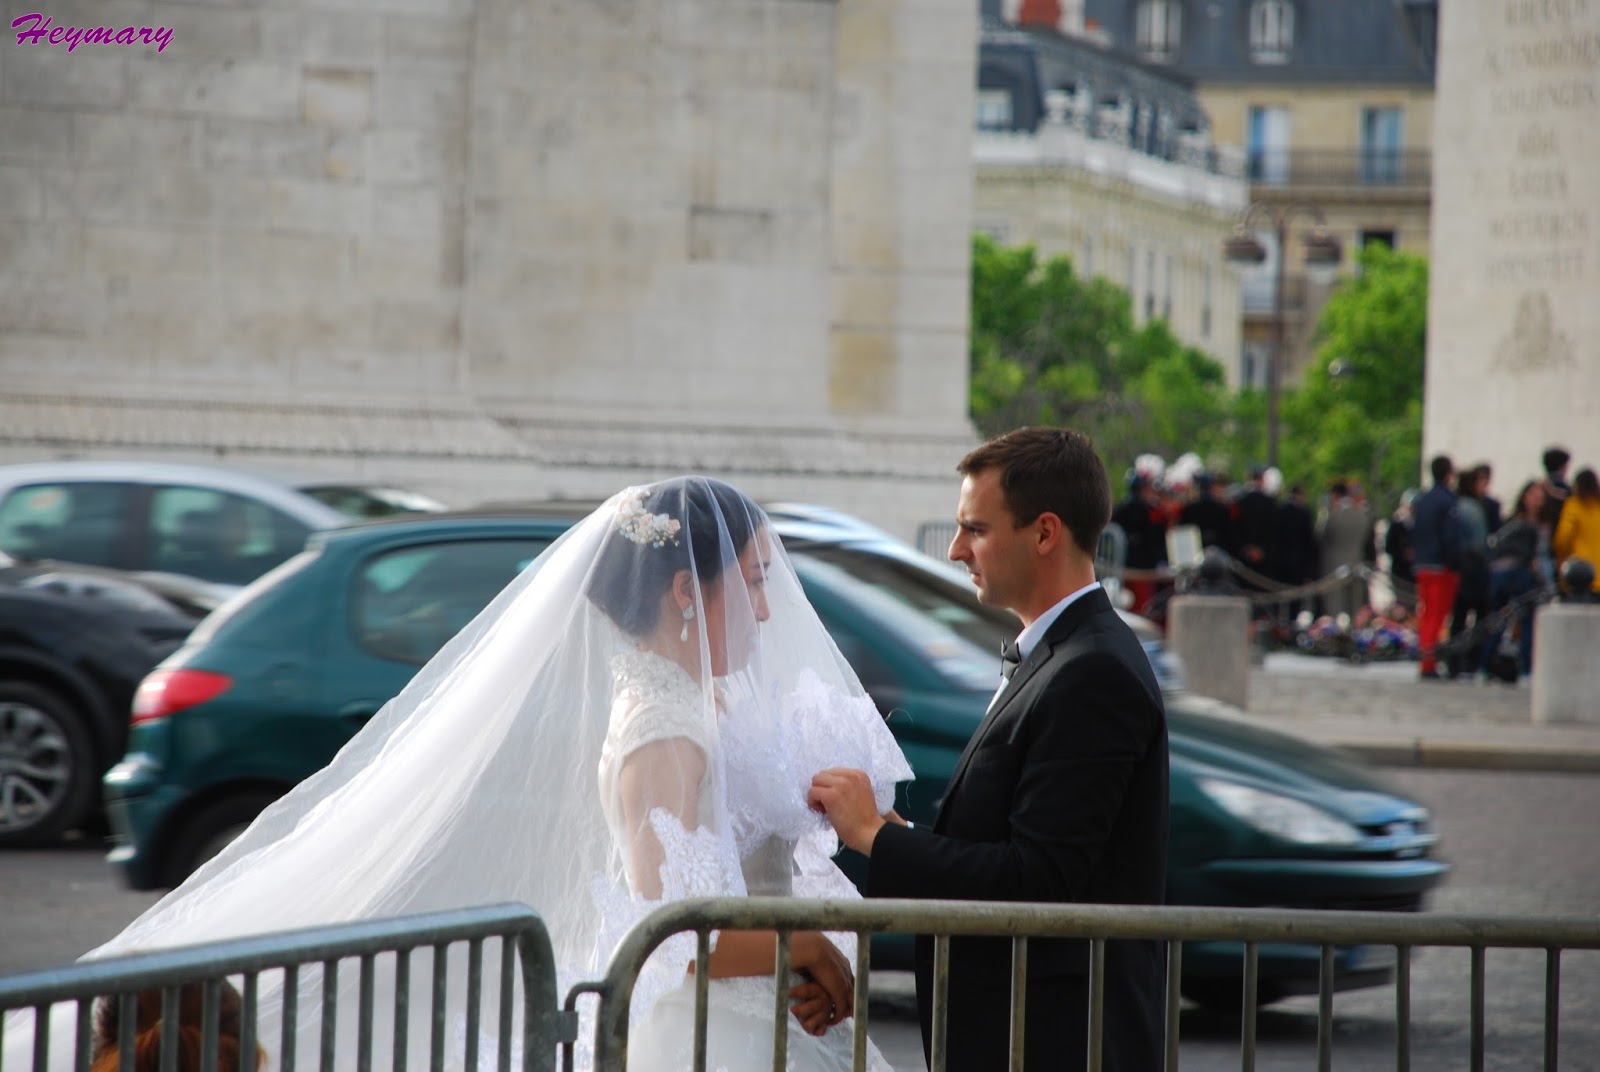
point(1514, 324)
point(497, 248)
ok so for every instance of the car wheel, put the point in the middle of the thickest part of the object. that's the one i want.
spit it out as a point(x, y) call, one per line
point(47, 766)
point(210, 830)
point(1227, 995)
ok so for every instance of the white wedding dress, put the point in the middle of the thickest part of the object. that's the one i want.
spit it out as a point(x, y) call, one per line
point(502, 771)
point(756, 837)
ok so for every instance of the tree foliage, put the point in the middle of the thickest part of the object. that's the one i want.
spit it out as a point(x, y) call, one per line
point(1358, 410)
point(1050, 347)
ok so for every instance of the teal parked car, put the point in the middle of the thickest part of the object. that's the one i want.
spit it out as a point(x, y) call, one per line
point(272, 684)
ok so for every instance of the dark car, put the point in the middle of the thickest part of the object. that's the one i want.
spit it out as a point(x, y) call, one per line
point(270, 686)
point(74, 645)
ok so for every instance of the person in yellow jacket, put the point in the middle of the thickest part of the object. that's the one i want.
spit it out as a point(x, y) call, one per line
point(1577, 534)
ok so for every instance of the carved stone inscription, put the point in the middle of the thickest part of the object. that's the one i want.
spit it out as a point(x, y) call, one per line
point(1541, 71)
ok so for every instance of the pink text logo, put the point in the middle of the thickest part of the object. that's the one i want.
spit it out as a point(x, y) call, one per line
point(39, 31)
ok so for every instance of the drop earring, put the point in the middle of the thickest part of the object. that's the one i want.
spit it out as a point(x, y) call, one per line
point(688, 616)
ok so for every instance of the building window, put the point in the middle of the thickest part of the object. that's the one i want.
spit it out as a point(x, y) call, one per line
point(1381, 236)
point(1253, 360)
point(1205, 305)
point(1149, 284)
point(1166, 291)
point(1158, 26)
point(1269, 144)
point(994, 109)
point(1271, 31)
point(1382, 132)
point(1088, 256)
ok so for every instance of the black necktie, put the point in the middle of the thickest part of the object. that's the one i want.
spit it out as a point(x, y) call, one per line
point(1010, 659)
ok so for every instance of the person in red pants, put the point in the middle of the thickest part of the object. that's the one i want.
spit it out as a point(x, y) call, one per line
point(1436, 560)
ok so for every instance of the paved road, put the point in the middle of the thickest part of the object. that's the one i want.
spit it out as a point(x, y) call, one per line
point(1521, 843)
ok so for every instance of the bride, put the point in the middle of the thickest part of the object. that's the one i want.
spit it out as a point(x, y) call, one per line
point(634, 720)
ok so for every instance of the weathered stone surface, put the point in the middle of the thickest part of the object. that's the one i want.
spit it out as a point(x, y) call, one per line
point(571, 243)
point(1566, 674)
point(1513, 327)
point(1211, 635)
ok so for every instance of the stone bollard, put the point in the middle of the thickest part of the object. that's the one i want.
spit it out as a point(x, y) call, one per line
point(1211, 634)
point(1566, 663)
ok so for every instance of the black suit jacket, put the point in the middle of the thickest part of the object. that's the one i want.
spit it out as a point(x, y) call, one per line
point(1060, 796)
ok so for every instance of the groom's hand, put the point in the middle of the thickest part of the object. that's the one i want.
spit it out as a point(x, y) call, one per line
point(845, 797)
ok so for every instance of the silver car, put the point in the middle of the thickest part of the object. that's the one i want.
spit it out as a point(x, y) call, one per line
point(219, 525)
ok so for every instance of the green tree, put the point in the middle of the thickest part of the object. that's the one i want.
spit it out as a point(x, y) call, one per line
point(1358, 411)
point(1049, 347)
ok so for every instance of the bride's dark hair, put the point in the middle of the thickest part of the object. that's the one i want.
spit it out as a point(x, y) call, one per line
point(644, 550)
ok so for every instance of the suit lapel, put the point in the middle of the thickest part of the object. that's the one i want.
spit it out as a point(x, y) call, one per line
point(1063, 627)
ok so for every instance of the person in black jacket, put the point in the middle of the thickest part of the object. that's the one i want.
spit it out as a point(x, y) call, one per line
point(1397, 545)
point(1296, 550)
point(1513, 555)
point(1212, 515)
point(1061, 794)
point(1257, 528)
point(1145, 526)
point(1436, 559)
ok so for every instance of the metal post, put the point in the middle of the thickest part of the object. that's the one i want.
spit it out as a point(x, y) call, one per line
point(1275, 359)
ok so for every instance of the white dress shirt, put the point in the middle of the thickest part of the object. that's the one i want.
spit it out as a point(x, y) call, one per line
point(1029, 638)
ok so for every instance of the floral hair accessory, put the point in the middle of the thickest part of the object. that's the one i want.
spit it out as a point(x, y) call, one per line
point(643, 527)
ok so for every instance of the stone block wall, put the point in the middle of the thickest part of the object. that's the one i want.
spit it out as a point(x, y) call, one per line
point(583, 231)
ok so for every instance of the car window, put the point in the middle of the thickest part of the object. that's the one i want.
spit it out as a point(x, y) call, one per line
point(881, 610)
point(218, 536)
point(944, 600)
point(410, 601)
point(69, 521)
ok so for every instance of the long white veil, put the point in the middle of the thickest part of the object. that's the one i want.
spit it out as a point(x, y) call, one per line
point(662, 627)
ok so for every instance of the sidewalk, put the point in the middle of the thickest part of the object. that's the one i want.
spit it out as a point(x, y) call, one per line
point(1384, 713)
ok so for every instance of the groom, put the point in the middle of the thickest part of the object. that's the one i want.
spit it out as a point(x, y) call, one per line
point(1061, 794)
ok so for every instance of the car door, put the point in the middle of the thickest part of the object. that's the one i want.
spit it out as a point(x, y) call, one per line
point(405, 602)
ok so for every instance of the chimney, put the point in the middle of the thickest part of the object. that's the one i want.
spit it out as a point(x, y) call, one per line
point(1063, 16)
point(1042, 13)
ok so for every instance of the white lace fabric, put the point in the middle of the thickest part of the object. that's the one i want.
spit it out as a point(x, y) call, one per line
point(655, 684)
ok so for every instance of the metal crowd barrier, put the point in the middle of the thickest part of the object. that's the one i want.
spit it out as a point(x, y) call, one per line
point(526, 971)
point(1098, 923)
point(547, 1029)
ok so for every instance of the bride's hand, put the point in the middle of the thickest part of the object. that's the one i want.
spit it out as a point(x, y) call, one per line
point(812, 1006)
point(827, 968)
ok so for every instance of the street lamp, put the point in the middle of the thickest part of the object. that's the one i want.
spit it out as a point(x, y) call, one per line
point(1322, 255)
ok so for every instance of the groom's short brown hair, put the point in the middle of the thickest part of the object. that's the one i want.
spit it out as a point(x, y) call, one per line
point(1049, 470)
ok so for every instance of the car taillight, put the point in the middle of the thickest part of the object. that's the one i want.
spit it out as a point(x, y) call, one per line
point(164, 692)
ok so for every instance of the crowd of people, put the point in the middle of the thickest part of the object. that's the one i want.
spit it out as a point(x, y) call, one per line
point(1461, 568)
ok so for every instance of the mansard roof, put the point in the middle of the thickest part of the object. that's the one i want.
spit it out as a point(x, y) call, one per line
point(1031, 62)
point(1349, 42)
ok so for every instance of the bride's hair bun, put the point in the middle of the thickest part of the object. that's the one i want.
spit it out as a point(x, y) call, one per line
point(661, 529)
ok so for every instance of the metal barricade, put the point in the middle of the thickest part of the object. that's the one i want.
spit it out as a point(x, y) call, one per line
point(1097, 923)
point(527, 1019)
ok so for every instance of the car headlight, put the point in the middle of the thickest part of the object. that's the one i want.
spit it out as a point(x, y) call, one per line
point(1278, 815)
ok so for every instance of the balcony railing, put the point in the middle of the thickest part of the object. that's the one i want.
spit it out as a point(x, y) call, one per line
point(1341, 167)
point(1255, 292)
